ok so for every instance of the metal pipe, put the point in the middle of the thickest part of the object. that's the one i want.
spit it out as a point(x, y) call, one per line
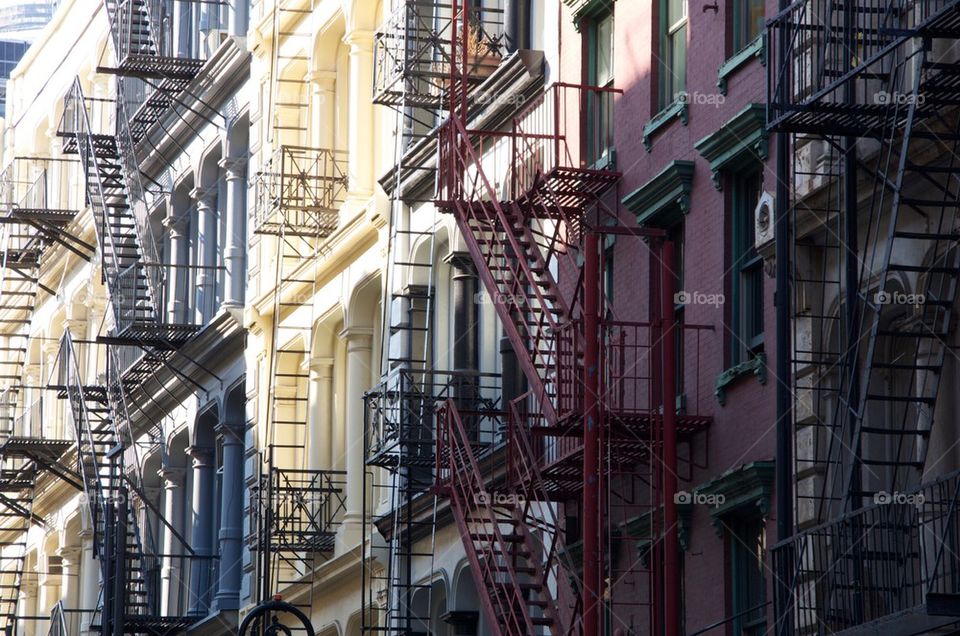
point(671, 543)
point(592, 544)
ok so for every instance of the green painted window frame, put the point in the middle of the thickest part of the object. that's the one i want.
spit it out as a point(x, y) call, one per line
point(741, 39)
point(747, 335)
point(668, 92)
point(599, 154)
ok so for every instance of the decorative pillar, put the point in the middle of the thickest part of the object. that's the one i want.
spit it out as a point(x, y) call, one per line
point(324, 103)
point(201, 538)
point(49, 592)
point(170, 570)
point(70, 576)
point(206, 200)
point(89, 583)
point(360, 133)
point(235, 251)
point(177, 224)
point(231, 517)
point(319, 428)
point(359, 344)
point(237, 21)
point(27, 602)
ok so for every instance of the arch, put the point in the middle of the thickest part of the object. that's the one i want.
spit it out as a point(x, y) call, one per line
point(208, 167)
point(323, 339)
point(362, 309)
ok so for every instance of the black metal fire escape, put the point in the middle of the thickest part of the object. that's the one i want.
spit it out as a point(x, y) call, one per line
point(33, 219)
point(868, 92)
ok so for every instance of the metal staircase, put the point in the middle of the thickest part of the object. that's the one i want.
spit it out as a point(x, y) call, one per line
point(17, 485)
point(888, 113)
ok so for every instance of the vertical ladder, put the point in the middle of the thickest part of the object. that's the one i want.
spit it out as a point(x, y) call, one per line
point(17, 490)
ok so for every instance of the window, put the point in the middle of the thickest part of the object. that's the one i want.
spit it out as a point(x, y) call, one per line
point(673, 50)
point(600, 73)
point(747, 22)
point(748, 583)
point(747, 271)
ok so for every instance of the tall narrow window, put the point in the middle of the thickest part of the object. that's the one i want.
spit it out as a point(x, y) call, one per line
point(747, 22)
point(673, 50)
point(747, 271)
point(600, 73)
point(748, 584)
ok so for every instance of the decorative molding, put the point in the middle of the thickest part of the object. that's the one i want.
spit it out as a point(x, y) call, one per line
point(757, 48)
point(677, 110)
point(740, 141)
point(640, 526)
point(756, 366)
point(663, 196)
point(738, 489)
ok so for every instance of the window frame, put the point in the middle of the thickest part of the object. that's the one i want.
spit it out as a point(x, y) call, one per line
point(740, 38)
point(599, 105)
point(742, 533)
point(745, 263)
point(670, 84)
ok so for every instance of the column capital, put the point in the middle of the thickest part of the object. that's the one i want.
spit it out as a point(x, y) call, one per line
point(172, 476)
point(175, 223)
point(69, 554)
point(322, 80)
point(360, 40)
point(235, 167)
point(202, 456)
point(357, 338)
point(461, 261)
point(321, 367)
point(204, 197)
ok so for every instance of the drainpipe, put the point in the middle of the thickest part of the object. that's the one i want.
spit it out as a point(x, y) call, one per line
point(671, 543)
point(592, 545)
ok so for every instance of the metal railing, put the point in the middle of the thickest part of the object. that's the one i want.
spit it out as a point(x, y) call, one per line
point(828, 44)
point(872, 563)
point(412, 52)
point(400, 413)
point(300, 190)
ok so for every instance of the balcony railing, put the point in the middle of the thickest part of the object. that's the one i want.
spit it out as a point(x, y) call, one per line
point(895, 558)
point(827, 44)
point(299, 192)
point(412, 52)
point(306, 507)
point(400, 413)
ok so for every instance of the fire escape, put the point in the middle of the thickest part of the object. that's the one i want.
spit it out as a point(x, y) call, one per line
point(154, 66)
point(298, 506)
point(866, 94)
point(591, 434)
point(33, 217)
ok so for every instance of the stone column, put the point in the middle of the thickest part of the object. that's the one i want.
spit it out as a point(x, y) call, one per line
point(324, 99)
point(206, 277)
point(361, 114)
point(27, 604)
point(177, 225)
point(70, 576)
point(201, 539)
point(90, 583)
point(235, 216)
point(237, 21)
point(231, 517)
point(49, 591)
point(170, 570)
point(319, 437)
point(359, 343)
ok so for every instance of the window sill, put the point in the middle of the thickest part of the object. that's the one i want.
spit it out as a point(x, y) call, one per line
point(756, 367)
point(676, 110)
point(757, 48)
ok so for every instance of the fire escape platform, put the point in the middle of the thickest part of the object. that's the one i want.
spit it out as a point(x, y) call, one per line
point(569, 188)
point(630, 444)
point(157, 66)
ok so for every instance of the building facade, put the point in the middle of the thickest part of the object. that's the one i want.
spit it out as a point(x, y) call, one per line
point(458, 318)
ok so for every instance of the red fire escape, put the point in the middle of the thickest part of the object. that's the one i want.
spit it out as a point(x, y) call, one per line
point(591, 434)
